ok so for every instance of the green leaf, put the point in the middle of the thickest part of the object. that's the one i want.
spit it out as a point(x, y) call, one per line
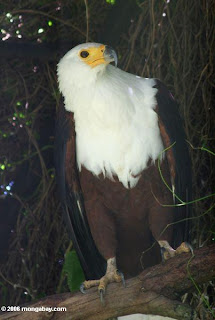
point(73, 270)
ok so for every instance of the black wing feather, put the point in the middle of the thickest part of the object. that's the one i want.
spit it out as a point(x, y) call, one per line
point(92, 262)
point(169, 115)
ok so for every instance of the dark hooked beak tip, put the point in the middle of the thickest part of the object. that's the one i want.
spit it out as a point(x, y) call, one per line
point(110, 55)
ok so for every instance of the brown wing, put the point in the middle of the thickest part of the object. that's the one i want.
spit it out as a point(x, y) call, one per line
point(72, 199)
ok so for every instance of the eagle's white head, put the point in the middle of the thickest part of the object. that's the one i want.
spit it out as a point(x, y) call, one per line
point(81, 66)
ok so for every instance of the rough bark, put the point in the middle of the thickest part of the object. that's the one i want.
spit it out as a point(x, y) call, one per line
point(154, 291)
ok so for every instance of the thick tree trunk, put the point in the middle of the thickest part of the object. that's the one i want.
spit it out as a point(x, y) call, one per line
point(154, 291)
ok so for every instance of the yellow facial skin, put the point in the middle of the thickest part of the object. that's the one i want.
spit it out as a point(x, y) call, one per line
point(95, 56)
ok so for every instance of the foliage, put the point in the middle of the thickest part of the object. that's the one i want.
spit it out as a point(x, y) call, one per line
point(73, 270)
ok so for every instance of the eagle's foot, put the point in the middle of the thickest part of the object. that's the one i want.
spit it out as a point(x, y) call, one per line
point(184, 247)
point(111, 275)
point(168, 252)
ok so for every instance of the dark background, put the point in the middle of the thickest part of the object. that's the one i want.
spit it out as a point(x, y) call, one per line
point(170, 40)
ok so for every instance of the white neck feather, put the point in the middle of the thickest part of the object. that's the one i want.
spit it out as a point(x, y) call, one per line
point(116, 126)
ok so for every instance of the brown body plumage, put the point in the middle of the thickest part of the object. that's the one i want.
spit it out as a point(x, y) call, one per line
point(123, 222)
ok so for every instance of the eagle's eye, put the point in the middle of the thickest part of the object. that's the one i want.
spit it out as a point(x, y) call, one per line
point(84, 54)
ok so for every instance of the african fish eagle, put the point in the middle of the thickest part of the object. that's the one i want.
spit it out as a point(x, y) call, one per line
point(121, 156)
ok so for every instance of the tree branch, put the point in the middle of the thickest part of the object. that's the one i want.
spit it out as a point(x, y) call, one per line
point(154, 291)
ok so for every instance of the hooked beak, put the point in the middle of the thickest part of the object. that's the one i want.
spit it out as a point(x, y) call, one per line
point(110, 55)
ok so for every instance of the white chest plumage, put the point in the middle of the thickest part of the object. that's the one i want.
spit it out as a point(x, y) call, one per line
point(116, 126)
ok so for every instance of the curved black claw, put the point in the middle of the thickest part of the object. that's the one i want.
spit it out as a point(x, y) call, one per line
point(82, 288)
point(163, 250)
point(122, 277)
point(101, 294)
